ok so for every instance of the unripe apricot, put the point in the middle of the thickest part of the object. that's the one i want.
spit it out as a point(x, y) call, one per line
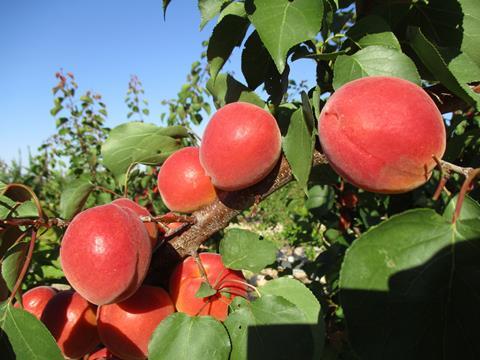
point(35, 299)
point(182, 182)
point(140, 211)
point(380, 133)
point(240, 146)
point(187, 278)
point(105, 253)
point(126, 327)
point(72, 322)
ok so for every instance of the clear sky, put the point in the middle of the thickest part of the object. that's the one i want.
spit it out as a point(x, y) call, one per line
point(102, 42)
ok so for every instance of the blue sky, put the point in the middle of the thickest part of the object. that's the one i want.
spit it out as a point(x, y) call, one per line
point(102, 43)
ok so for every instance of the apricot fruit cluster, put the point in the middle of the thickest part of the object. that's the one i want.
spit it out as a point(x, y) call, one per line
point(124, 328)
point(240, 146)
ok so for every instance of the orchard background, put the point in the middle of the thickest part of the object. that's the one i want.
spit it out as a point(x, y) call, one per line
point(348, 273)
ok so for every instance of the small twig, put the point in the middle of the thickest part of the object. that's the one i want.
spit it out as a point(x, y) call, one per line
point(37, 223)
point(463, 191)
point(201, 268)
point(26, 264)
point(104, 189)
point(32, 194)
point(250, 286)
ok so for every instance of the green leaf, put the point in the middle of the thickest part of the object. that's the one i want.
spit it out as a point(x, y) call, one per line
point(471, 29)
point(453, 24)
point(321, 198)
point(299, 295)
point(295, 292)
point(225, 89)
point(12, 263)
point(298, 147)
point(470, 209)
point(374, 61)
point(455, 75)
point(264, 324)
point(182, 337)
point(209, 9)
point(255, 61)
point(165, 5)
point(282, 24)
point(412, 284)
point(373, 30)
point(205, 290)
point(27, 337)
point(3, 187)
point(74, 196)
point(234, 8)
point(244, 250)
point(137, 142)
point(228, 34)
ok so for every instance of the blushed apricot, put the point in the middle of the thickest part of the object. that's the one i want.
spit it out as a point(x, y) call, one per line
point(186, 279)
point(182, 182)
point(105, 253)
point(240, 146)
point(126, 327)
point(35, 299)
point(140, 211)
point(380, 134)
point(72, 322)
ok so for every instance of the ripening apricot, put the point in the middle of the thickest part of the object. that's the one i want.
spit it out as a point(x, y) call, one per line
point(35, 299)
point(105, 253)
point(187, 278)
point(72, 322)
point(240, 146)
point(182, 182)
point(126, 327)
point(140, 211)
point(380, 134)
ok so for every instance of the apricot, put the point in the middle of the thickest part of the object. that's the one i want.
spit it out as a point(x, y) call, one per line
point(140, 211)
point(186, 279)
point(126, 327)
point(240, 146)
point(72, 322)
point(380, 133)
point(182, 182)
point(102, 354)
point(105, 253)
point(35, 299)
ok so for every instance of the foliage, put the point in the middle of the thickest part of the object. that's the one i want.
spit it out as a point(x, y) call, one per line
point(387, 276)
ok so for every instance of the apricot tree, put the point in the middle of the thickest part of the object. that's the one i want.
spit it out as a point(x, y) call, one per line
point(384, 149)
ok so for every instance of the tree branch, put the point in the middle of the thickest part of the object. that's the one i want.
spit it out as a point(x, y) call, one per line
point(446, 101)
point(218, 215)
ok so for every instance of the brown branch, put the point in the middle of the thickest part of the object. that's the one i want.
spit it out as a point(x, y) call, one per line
point(218, 215)
point(446, 101)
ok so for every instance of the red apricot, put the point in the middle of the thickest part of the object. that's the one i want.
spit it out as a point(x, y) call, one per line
point(102, 354)
point(126, 327)
point(140, 211)
point(240, 146)
point(380, 133)
point(182, 182)
point(35, 299)
point(187, 278)
point(105, 253)
point(72, 322)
